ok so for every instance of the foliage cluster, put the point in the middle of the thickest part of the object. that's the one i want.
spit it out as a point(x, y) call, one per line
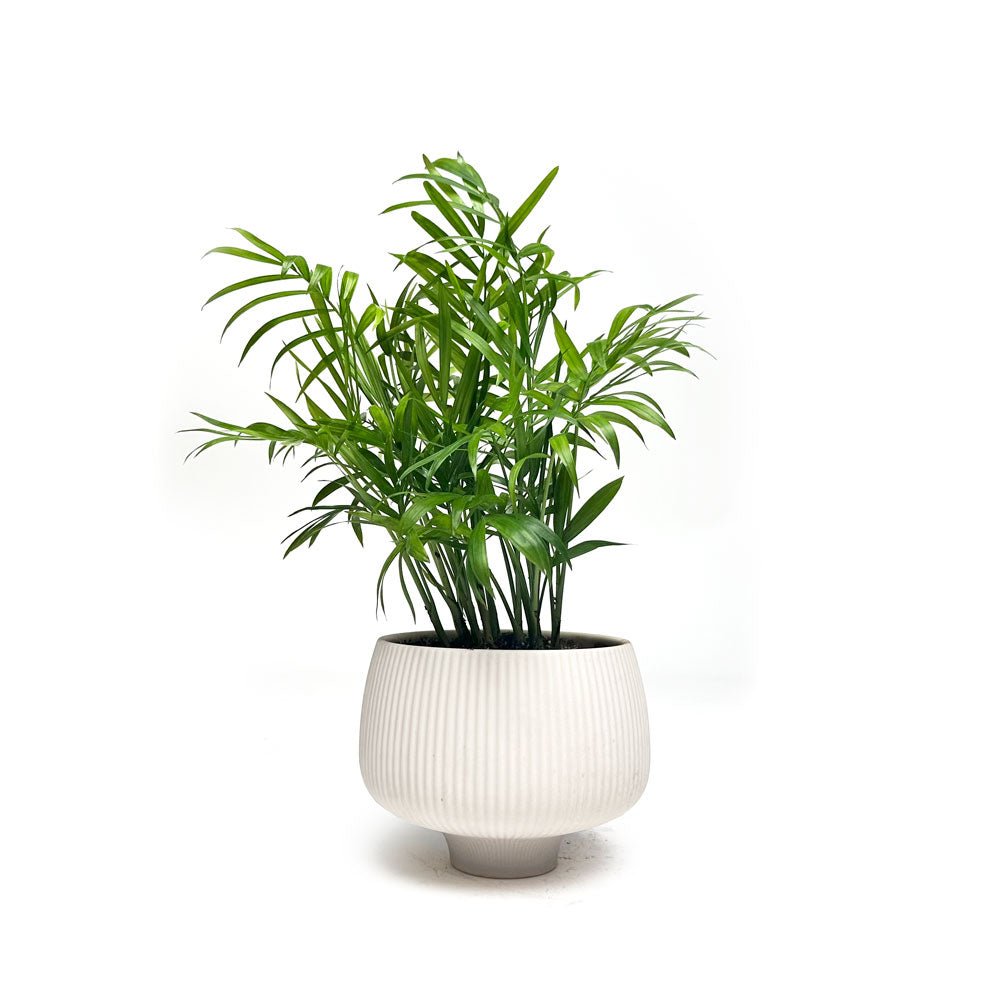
point(455, 418)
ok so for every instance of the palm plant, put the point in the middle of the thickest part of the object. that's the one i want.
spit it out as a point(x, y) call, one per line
point(456, 418)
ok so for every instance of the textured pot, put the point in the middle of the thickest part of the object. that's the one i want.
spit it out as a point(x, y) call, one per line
point(504, 751)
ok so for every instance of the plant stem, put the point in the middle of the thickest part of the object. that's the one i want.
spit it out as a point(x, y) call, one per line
point(457, 617)
point(428, 601)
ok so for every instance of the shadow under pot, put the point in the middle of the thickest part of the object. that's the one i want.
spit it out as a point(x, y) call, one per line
point(504, 751)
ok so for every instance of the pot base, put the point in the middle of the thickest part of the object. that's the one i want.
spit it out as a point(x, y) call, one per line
point(490, 858)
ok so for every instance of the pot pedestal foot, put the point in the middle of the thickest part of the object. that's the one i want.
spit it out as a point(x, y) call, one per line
point(490, 858)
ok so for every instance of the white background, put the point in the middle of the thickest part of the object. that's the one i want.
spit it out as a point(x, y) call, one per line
point(813, 595)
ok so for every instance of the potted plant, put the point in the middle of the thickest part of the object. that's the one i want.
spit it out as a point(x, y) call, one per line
point(458, 420)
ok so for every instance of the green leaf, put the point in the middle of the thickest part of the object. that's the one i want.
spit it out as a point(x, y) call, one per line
point(277, 255)
point(563, 451)
point(253, 303)
point(370, 317)
point(621, 317)
point(240, 252)
point(287, 411)
point(271, 324)
point(477, 557)
point(420, 506)
point(381, 420)
point(582, 548)
point(379, 599)
point(444, 348)
point(592, 509)
point(416, 548)
point(601, 423)
point(316, 411)
point(405, 204)
point(676, 302)
point(529, 536)
point(530, 202)
point(322, 278)
point(568, 350)
point(440, 236)
point(442, 182)
point(296, 263)
point(447, 209)
point(329, 489)
point(348, 282)
point(640, 408)
point(259, 279)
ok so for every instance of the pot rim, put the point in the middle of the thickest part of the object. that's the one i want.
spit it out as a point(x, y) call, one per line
point(593, 640)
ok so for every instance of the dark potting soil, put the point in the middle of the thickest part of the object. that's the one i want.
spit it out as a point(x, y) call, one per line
point(507, 640)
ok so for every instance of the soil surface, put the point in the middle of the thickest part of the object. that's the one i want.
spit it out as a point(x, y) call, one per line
point(507, 640)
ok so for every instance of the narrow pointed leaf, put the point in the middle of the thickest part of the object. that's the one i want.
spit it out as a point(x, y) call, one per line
point(563, 451)
point(568, 350)
point(259, 279)
point(477, 558)
point(530, 202)
point(592, 509)
point(260, 244)
point(241, 252)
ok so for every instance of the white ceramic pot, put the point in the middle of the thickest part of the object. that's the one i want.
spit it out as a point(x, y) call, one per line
point(504, 751)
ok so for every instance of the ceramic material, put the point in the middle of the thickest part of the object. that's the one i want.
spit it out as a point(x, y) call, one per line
point(504, 751)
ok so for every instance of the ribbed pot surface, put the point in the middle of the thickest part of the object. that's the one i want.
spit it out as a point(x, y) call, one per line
point(505, 744)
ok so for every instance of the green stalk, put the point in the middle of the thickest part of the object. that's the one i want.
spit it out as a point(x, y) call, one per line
point(524, 593)
point(465, 597)
point(448, 593)
point(514, 609)
point(428, 602)
point(515, 625)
